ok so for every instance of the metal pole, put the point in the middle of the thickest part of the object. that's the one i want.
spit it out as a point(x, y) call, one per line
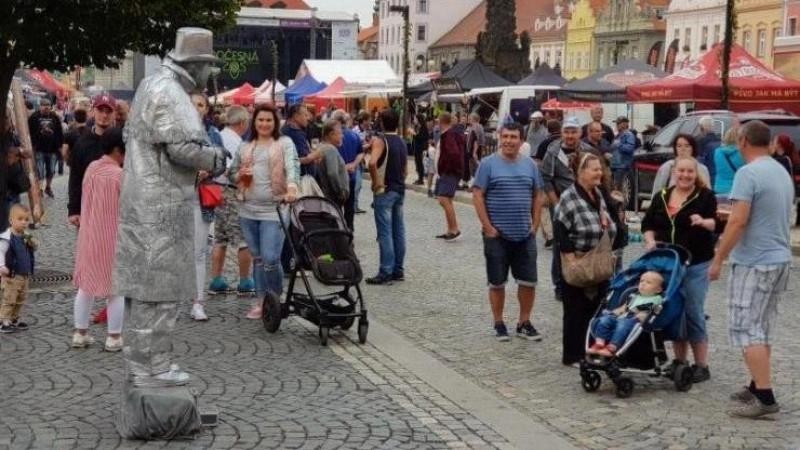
point(313, 33)
point(406, 66)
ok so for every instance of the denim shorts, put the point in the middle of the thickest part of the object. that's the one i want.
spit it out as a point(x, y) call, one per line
point(694, 289)
point(446, 186)
point(502, 255)
point(45, 165)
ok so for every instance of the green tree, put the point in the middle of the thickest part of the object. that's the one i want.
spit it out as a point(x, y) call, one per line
point(499, 46)
point(63, 34)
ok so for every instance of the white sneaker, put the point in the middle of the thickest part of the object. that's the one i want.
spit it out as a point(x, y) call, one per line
point(198, 313)
point(81, 340)
point(113, 344)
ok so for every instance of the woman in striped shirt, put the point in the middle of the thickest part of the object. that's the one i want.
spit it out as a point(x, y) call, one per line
point(97, 242)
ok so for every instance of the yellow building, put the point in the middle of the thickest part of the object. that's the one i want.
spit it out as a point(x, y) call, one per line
point(760, 22)
point(579, 60)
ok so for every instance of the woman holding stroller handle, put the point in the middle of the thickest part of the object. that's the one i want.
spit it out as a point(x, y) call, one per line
point(580, 221)
point(266, 171)
point(685, 214)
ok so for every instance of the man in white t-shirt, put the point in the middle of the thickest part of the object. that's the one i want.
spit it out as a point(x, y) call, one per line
point(226, 224)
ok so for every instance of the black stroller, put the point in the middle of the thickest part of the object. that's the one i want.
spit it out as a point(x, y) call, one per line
point(644, 351)
point(321, 242)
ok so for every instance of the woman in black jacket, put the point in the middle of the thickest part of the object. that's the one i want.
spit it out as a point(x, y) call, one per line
point(685, 214)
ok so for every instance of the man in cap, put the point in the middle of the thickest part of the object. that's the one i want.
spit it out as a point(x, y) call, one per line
point(557, 176)
point(167, 145)
point(537, 131)
point(86, 150)
point(47, 137)
point(622, 149)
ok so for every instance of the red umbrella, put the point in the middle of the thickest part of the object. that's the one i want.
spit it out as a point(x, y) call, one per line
point(555, 105)
point(245, 95)
point(752, 85)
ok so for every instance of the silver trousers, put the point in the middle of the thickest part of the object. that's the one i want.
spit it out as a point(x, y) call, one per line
point(148, 338)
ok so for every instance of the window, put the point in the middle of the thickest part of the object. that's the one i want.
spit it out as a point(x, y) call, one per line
point(792, 26)
point(761, 50)
point(635, 52)
point(717, 33)
point(422, 6)
point(704, 36)
point(677, 34)
point(747, 39)
point(558, 57)
point(687, 35)
point(391, 36)
point(601, 61)
point(422, 33)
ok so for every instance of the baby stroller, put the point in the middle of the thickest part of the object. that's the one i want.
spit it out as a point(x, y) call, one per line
point(322, 243)
point(643, 350)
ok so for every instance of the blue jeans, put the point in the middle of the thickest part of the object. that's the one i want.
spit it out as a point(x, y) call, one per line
point(391, 231)
point(612, 329)
point(265, 240)
point(359, 180)
point(694, 289)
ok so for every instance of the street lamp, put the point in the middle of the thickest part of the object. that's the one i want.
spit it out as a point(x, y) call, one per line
point(404, 10)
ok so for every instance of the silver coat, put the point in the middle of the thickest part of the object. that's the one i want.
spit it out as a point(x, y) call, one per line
point(166, 145)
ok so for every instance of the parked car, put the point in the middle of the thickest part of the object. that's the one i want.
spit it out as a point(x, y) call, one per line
point(659, 149)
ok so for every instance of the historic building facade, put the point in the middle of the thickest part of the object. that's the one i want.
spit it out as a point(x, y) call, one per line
point(760, 23)
point(628, 29)
point(786, 50)
point(548, 37)
point(579, 44)
point(696, 24)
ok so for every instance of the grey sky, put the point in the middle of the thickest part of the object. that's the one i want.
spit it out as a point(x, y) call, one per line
point(361, 7)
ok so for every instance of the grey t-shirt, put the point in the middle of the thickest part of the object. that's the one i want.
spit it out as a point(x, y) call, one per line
point(766, 185)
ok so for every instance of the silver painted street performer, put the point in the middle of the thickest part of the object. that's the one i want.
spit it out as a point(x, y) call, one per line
point(166, 145)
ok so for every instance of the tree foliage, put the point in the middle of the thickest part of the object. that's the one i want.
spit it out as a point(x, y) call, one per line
point(62, 34)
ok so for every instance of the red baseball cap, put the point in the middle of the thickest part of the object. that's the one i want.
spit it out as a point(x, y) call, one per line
point(104, 100)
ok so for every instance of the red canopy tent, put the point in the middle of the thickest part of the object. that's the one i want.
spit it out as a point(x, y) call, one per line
point(245, 95)
point(331, 94)
point(752, 85)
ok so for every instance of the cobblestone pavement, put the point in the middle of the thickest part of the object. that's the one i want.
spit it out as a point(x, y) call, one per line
point(273, 391)
point(443, 307)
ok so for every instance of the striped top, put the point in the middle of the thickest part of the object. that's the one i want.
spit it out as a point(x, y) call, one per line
point(509, 188)
point(97, 235)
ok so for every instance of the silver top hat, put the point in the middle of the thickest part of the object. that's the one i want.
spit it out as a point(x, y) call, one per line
point(194, 45)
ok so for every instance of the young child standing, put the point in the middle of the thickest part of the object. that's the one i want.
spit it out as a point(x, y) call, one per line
point(613, 327)
point(16, 268)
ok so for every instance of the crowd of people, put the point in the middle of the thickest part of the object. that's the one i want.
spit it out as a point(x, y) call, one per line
point(563, 177)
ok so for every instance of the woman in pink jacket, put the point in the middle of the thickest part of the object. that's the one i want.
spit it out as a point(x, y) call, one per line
point(97, 242)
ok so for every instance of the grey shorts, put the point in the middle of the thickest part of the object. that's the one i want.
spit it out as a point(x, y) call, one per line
point(227, 230)
point(753, 295)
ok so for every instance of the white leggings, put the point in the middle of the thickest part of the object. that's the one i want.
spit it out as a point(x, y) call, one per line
point(83, 306)
point(201, 230)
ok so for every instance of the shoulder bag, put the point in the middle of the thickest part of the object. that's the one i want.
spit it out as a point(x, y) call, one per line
point(593, 267)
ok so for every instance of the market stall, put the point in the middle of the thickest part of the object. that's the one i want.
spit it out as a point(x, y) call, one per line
point(752, 85)
point(330, 95)
point(302, 88)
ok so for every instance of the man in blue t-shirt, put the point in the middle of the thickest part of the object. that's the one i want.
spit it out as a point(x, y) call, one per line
point(508, 196)
point(352, 154)
point(295, 129)
point(757, 240)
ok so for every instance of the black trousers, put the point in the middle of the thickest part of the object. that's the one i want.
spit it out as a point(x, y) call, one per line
point(350, 205)
point(418, 153)
point(579, 308)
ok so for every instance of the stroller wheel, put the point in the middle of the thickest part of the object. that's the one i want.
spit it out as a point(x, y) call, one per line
point(624, 387)
point(683, 378)
point(324, 332)
point(347, 323)
point(363, 328)
point(272, 312)
point(591, 381)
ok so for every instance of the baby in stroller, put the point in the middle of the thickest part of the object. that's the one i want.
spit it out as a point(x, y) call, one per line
point(613, 326)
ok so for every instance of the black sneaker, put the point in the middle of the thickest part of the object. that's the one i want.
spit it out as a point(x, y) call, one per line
point(501, 332)
point(548, 243)
point(669, 372)
point(7, 328)
point(442, 236)
point(20, 325)
point(398, 276)
point(527, 331)
point(49, 192)
point(700, 374)
point(360, 211)
point(380, 279)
